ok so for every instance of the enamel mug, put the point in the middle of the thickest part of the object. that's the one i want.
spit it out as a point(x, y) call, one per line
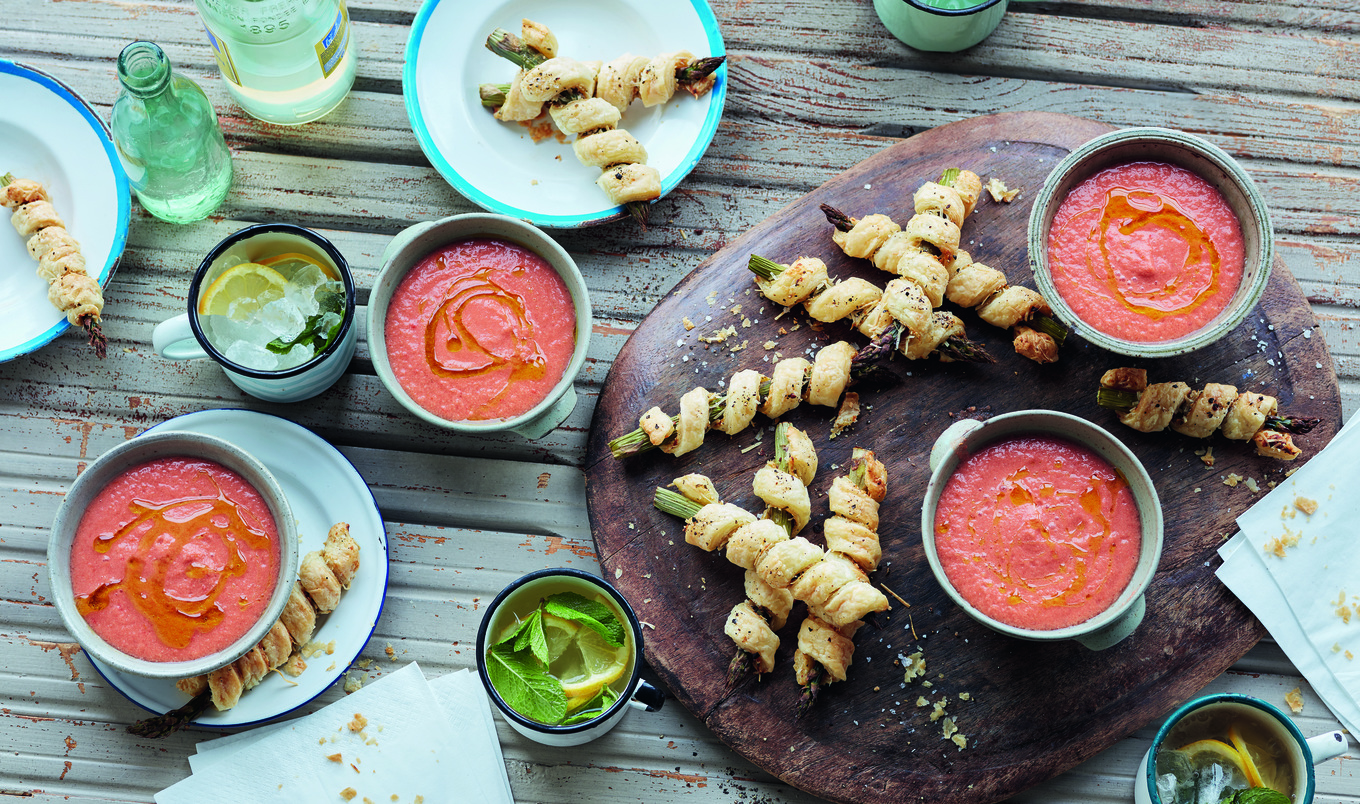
point(1303, 753)
point(183, 337)
point(637, 693)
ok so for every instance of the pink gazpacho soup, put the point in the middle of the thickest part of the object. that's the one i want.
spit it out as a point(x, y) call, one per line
point(1038, 532)
point(480, 330)
point(175, 559)
point(1146, 252)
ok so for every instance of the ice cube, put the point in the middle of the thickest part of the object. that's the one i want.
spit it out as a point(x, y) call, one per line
point(1214, 779)
point(223, 331)
point(1166, 788)
point(1175, 777)
point(302, 289)
point(283, 318)
point(300, 353)
point(252, 356)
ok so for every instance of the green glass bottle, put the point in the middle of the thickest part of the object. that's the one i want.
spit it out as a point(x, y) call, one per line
point(167, 138)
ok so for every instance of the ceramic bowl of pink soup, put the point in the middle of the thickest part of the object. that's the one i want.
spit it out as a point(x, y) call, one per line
point(1121, 611)
point(1138, 321)
point(460, 349)
point(269, 501)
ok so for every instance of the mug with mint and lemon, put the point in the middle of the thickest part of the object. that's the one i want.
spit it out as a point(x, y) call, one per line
point(559, 653)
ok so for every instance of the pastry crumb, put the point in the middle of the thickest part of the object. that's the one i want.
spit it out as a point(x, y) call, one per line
point(1232, 480)
point(391, 654)
point(358, 723)
point(938, 711)
point(335, 757)
point(1306, 505)
point(354, 681)
point(1000, 192)
point(1295, 700)
point(348, 793)
point(689, 325)
point(847, 415)
point(916, 666)
point(1206, 457)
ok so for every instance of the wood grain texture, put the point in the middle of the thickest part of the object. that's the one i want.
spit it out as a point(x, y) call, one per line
point(1036, 709)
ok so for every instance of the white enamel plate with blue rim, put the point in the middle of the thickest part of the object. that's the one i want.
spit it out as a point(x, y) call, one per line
point(322, 488)
point(497, 165)
point(49, 134)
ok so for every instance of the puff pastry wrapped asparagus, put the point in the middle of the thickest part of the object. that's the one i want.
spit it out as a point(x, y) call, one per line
point(1240, 416)
point(70, 289)
point(926, 252)
point(832, 583)
point(899, 314)
point(322, 576)
point(588, 99)
point(820, 382)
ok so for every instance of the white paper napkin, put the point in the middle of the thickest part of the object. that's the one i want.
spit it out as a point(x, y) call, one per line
point(1309, 598)
point(408, 747)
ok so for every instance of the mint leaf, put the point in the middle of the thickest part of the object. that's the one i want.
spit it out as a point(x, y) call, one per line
point(591, 613)
point(531, 637)
point(513, 635)
point(525, 688)
point(1260, 795)
point(313, 331)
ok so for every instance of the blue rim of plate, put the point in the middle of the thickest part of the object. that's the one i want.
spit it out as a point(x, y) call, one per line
point(233, 412)
point(120, 179)
point(481, 199)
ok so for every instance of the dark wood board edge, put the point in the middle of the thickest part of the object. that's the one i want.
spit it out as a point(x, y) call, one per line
point(636, 552)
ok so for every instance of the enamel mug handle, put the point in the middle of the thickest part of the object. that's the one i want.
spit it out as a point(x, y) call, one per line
point(649, 698)
point(174, 340)
point(1326, 746)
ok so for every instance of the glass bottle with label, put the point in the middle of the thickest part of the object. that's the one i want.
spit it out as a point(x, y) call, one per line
point(285, 61)
point(167, 138)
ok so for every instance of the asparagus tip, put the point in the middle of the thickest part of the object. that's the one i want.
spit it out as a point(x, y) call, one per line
point(639, 210)
point(837, 218)
point(96, 334)
point(172, 721)
point(741, 666)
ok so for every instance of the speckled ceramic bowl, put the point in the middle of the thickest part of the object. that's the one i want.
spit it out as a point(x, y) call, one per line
point(412, 245)
point(966, 437)
point(99, 474)
point(1182, 150)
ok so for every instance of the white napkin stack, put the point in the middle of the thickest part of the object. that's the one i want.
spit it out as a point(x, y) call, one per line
point(1309, 599)
point(420, 739)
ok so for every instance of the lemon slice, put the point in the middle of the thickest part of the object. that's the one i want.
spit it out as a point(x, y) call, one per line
point(590, 664)
point(1248, 764)
point(253, 284)
point(283, 261)
point(559, 633)
point(1219, 750)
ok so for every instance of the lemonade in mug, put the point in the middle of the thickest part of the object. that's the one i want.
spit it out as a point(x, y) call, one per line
point(272, 312)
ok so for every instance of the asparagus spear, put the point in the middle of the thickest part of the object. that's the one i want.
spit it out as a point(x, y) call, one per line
point(742, 663)
point(1045, 324)
point(1122, 400)
point(959, 349)
point(87, 322)
point(511, 47)
point(865, 365)
point(172, 721)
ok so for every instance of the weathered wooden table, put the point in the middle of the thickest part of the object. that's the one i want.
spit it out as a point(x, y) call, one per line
point(814, 89)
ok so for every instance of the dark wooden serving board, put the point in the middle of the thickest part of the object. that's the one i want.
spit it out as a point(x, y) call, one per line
point(1036, 709)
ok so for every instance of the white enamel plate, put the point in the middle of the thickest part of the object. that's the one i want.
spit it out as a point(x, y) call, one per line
point(322, 488)
point(49, 134)
point(497, 165)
